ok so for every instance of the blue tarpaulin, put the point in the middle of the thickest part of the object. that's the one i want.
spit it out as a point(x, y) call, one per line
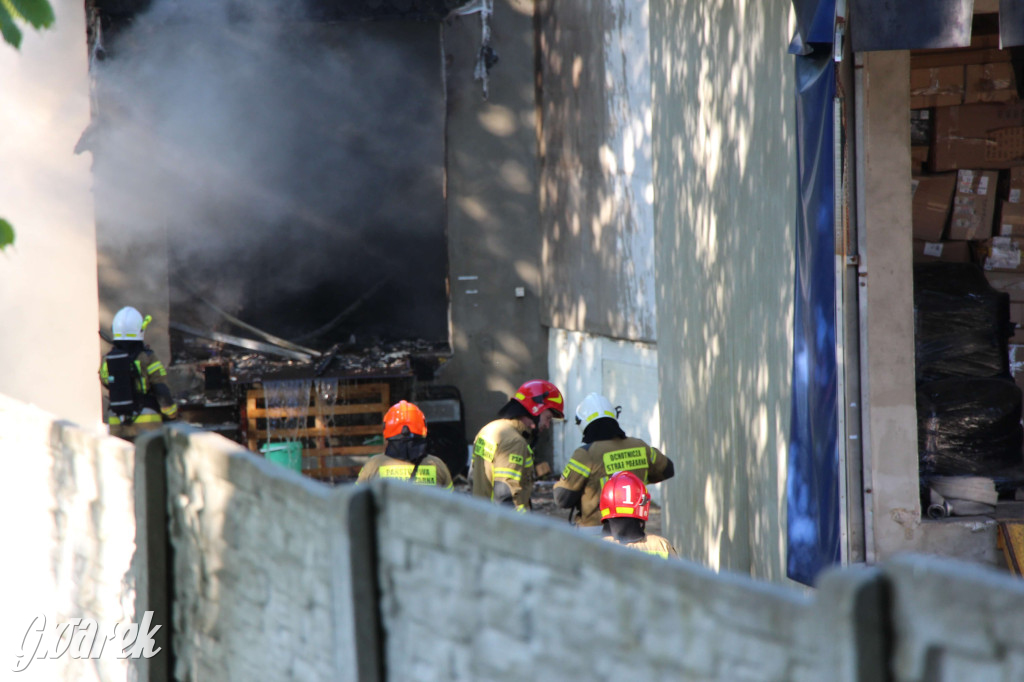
point(815, 20)
point(812, 484)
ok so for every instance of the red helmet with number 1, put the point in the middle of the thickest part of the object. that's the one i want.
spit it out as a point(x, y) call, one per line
point(404, 414)
point(538, 395)
point(625, 495)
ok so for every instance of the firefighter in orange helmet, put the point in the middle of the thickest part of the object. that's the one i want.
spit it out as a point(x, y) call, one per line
point(625, 505)
point(605, 450)
point(503, 449)
point(405, 455)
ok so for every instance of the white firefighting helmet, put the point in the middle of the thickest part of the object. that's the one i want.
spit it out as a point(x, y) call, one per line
point(129, 325)
point(595, 406)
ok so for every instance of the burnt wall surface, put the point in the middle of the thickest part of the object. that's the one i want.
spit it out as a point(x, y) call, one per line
point(284, 170)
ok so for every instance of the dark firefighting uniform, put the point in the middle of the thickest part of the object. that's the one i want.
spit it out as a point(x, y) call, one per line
point(431, 471)
point(651, 544)
point(501, 452)
point(593, 463)
point(157, 403)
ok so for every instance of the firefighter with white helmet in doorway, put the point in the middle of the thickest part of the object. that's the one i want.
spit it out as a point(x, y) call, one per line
point(503, 467)
point(625, 506)
point(405, 455)
point(138, 397)
point(605, 451)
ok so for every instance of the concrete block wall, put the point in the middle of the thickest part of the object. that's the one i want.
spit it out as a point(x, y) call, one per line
point(279, 577)
point(470, 592)
point(953, 620)
point(68, 536)
point(261, 567)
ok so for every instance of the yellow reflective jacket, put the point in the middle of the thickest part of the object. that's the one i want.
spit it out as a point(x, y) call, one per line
point(431, 471)
point(651, 544)
point(502, 453)
point(592, 465)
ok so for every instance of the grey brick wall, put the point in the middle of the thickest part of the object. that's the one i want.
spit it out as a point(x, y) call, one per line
point(277, 577)
point(67, 532)
point(954, 621)
point(471, 592)
point(261, 567)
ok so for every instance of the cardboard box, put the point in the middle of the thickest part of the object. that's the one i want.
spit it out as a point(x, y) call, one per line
point(1011, 220)
point(1010, 283)
point(932, 202)
point(923, 59)
point(992, 82)
point(937, 87)
point(954, 252)
point(984, 48)
point(1012, 186)
point(978, 136)
point(918, 158)
point(974, 204)
point(1003, 254)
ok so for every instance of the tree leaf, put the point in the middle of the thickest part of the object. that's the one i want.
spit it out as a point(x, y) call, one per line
point(6, 234)
point(38, 13)
point(10, 32)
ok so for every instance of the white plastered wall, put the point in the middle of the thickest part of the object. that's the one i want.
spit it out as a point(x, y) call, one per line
point(623, 371)
point(48, 292)
point(597, 200)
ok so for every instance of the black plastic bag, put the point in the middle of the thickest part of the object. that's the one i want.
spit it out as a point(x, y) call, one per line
point(961, 324)
point(969, 426)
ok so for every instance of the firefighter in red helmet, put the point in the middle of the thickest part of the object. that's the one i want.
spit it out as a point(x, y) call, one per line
point(503, 449)
point(625, 505)
point(405, 455)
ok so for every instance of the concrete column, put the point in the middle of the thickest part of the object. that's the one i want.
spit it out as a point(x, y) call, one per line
point(887, 295)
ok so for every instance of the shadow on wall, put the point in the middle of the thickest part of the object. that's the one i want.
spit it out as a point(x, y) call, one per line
point(497, 336)
point(724, 213)
point(596, 190)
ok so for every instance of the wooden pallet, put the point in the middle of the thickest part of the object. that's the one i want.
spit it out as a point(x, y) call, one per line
point(332, 432)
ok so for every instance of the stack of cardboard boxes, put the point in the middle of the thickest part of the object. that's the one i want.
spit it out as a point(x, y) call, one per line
point(967, 152)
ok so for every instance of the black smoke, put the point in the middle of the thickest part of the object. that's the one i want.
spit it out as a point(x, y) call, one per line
point(294, 167)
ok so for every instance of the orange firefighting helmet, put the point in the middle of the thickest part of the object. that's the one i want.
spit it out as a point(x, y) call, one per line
point(404, 415)
point(538, 395)
point(625, 495)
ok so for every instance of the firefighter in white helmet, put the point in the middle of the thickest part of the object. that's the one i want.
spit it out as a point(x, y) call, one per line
point(405, 456)
point(606, 450)
point(625, 506)
point(138, 397)
point(503, 468)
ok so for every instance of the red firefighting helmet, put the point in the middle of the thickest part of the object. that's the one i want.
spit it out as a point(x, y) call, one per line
point(404, 414)
point(538, 395)
point(625, 495)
